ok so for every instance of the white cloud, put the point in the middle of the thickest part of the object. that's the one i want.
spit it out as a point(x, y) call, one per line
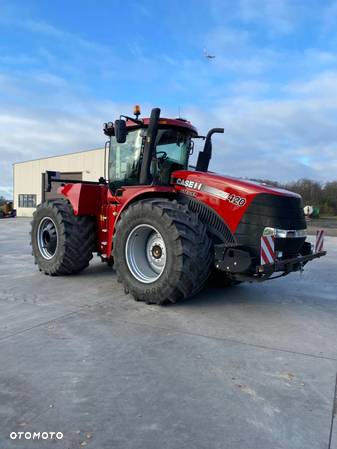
point(51, 109)
point(323, 86)
point(33, 132)
point(275, 139)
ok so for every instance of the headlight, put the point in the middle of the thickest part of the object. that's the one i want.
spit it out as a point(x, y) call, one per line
point(285, 233)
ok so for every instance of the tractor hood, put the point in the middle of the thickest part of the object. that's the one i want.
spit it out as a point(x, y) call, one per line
point(229, 197)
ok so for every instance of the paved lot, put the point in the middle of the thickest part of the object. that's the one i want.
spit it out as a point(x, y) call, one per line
point(251, 367)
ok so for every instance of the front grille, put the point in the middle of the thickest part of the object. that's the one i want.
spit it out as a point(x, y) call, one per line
point(267, 210)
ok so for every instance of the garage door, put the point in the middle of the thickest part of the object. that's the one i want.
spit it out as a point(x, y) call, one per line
point(55, 185)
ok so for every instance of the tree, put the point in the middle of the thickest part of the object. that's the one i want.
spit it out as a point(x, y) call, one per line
point(329, 197)
point(310, 191)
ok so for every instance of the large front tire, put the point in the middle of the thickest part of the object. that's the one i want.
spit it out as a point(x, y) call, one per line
point(61, 242)
point(161, 250)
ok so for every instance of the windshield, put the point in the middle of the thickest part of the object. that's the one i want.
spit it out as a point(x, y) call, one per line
point(172, 150)
point(174, 144)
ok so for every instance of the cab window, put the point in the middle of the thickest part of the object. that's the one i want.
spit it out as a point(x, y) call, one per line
point(124, 160)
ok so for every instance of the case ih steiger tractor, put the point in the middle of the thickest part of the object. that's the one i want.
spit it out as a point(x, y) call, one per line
point(164, 226)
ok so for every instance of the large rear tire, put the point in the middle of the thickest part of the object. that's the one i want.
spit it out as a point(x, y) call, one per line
point(161, 250)
point(61, 242)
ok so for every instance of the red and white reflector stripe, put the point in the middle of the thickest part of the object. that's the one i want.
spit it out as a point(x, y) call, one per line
point(319, 241)
point(267, 249)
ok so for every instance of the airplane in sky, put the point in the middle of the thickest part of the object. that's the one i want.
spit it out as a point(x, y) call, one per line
point(208, 55)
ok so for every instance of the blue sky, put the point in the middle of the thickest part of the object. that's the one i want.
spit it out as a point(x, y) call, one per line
point(68, 66)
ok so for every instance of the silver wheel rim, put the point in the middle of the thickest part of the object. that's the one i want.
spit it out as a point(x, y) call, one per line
point(145, 253)
point(47, 238)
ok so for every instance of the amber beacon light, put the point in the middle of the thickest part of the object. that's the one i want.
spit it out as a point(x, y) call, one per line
point(136, 110)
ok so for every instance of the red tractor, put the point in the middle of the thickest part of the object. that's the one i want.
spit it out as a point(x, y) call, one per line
point(165, 226)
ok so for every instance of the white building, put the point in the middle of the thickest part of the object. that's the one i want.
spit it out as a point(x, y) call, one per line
point(29, 176)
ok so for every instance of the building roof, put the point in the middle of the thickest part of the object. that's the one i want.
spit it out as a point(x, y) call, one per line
point(59, 155)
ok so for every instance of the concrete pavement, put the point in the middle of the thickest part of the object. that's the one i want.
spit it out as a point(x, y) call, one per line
point(252, 366)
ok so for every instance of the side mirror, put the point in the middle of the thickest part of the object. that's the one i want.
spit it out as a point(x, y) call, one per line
point(120, 131)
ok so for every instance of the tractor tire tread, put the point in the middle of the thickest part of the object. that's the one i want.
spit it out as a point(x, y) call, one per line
point(77, 236)
point(192, 251)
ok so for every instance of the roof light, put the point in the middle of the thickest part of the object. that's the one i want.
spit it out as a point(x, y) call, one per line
point(136, 110)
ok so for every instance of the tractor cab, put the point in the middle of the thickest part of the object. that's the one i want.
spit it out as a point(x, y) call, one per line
point(147, 151)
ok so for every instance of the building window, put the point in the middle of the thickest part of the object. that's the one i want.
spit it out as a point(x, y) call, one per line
point(27, 200)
